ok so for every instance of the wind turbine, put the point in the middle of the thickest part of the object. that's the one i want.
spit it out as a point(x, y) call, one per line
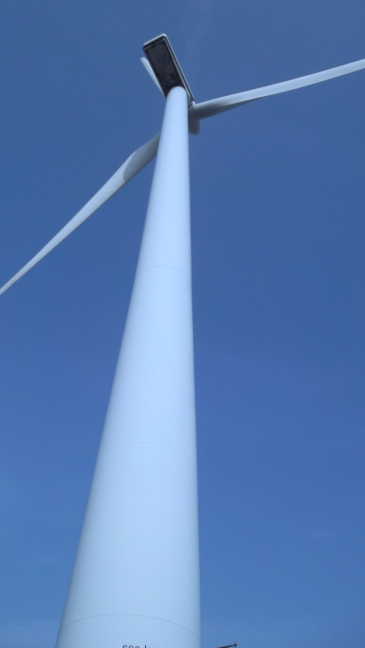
point(135, 581)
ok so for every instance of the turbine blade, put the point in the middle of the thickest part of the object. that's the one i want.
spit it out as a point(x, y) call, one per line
point(129, 168)
point(216, 106)
point(147, 66)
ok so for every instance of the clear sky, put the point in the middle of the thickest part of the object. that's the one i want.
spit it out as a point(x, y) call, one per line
point(278, 237)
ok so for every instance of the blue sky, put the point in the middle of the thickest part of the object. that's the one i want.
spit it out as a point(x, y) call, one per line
point(278, 239)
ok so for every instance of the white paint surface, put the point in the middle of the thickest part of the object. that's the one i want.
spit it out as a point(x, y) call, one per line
point(135, 580)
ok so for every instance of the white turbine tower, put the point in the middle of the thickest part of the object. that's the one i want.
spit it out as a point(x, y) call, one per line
point(135, 581)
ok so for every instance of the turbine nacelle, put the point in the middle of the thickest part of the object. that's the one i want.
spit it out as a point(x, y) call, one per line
point(165, 65)
point(166, 73)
